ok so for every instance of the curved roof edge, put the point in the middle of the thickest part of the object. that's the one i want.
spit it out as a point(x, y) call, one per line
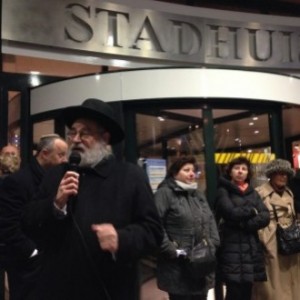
point(167, 83)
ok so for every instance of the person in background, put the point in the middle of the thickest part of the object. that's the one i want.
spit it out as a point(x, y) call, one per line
point(294, 185)
point(98, 218)
point(282, 271)
point(187, 219)
point(10, 149)
point(9, 163)
point(19, 245)
point(242, 213)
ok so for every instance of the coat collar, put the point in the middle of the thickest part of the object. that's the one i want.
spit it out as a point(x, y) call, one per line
point(266, 190)
point(103, 168)
point(36, 168)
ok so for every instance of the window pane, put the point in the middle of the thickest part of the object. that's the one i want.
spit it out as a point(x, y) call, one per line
point(14, 118)
point(42, 128)
point(242, 132)
point(170, 134)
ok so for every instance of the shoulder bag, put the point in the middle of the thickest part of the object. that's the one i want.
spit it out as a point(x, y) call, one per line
point(201, 261)
point(288, 239)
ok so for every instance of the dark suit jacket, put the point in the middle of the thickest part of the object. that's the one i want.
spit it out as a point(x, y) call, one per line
point(16, 191)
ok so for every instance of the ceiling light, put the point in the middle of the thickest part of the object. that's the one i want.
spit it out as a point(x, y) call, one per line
point(34, 80)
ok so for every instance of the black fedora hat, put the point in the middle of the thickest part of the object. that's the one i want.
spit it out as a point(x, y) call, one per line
point(99, 111)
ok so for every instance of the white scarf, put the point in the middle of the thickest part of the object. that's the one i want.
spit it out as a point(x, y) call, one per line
point(187, 186)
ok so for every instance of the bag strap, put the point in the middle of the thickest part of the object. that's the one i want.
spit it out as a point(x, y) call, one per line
point(276, 216)
point(275, 213)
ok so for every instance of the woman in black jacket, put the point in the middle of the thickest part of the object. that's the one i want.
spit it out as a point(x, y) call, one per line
point(187, 219)
point(242, 213)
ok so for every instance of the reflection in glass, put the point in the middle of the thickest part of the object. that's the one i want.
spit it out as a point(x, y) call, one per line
point(240, 132)
point(14, 106)
point(170, 134)
point(42, 128)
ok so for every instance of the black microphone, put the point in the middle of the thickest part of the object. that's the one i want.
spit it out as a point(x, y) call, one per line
point(74, 161)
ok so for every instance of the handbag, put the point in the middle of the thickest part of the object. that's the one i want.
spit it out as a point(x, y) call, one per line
point(200, 261)
point(288, 239)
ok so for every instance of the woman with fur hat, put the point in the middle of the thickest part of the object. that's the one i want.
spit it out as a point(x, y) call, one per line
point(282, 271)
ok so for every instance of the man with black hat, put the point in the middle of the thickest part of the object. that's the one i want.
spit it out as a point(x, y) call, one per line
point(99, 217)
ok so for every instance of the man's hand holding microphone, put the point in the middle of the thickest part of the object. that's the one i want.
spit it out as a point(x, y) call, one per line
point(67, 191)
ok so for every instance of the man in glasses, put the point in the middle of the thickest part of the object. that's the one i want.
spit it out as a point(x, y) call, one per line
point(99, 217)
point(19, 245)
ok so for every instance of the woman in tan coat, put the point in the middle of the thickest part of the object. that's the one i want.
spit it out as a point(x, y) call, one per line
point(283, 272)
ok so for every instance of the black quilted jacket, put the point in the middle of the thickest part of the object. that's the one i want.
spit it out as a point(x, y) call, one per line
point(240, 256)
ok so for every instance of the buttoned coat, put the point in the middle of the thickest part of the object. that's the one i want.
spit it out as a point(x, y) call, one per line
point(282, 271)
point(74, 266)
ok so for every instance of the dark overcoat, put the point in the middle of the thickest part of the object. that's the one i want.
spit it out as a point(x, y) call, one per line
point(17, 190)
point(17, 242)
point(74, 266)
point(240, 256)
point(187, 219)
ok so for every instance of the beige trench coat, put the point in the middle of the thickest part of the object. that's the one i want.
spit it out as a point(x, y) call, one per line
point(283, 272)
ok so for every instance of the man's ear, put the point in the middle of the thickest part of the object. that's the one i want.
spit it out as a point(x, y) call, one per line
point(106, 137)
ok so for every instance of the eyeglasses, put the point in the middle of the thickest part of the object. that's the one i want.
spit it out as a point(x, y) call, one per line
point(84, 134)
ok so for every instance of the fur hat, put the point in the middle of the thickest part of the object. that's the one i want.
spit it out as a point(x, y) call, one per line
point(279, 165)
point(99, 111)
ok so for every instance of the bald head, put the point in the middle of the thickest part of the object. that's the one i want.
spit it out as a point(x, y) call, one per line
point(52, 150)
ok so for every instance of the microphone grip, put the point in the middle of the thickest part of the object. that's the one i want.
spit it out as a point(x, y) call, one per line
point(74, 161)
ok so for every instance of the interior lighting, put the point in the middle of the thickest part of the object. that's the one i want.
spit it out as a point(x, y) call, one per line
point(35, 80)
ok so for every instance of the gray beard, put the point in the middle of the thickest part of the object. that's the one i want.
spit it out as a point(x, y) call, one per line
point(91, 157)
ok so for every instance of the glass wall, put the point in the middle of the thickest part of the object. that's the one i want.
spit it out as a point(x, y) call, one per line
point(169, 134)
point(14, 114)
point(42, 128)
point(242, 132)
point(291, 126)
